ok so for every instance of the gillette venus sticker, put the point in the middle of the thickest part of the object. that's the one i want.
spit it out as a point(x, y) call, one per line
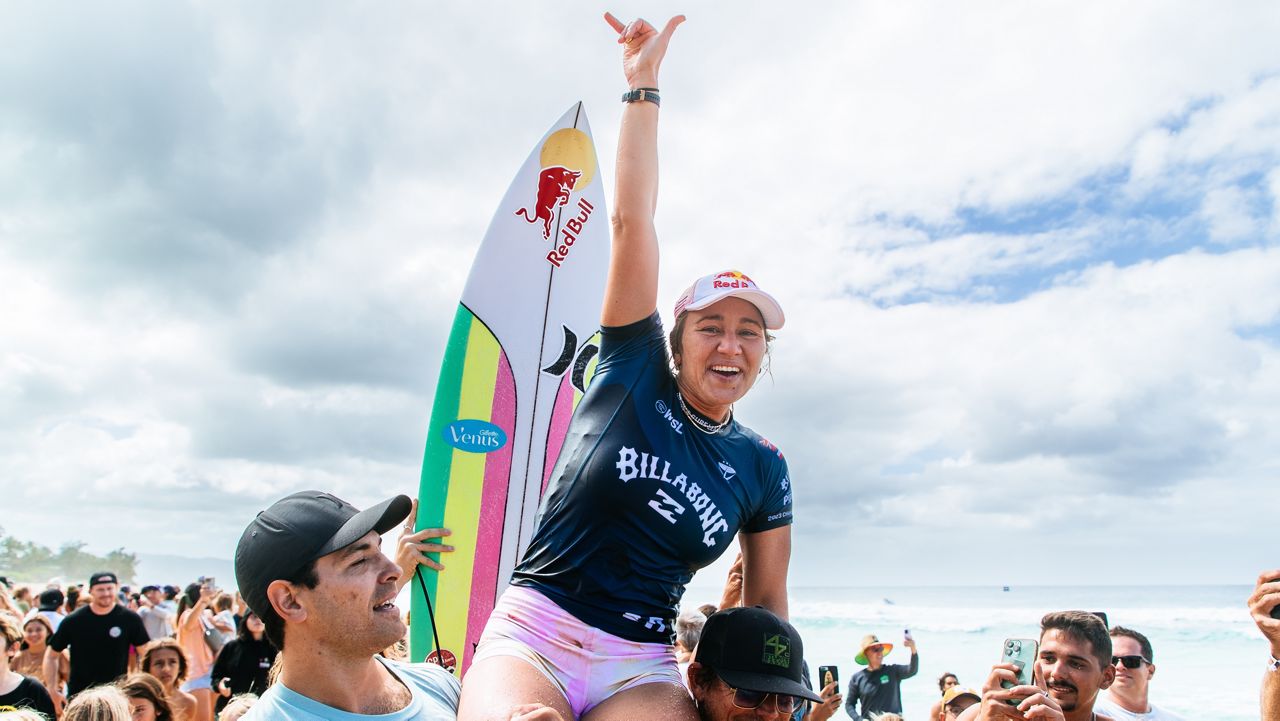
point(474, 436)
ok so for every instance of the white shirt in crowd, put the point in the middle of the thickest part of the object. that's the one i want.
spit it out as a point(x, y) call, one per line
point(1106, 705)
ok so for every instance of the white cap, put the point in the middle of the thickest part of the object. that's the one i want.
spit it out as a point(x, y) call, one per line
point(710, 288)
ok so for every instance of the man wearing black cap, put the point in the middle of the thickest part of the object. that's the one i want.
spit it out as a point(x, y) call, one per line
point(99, 635)
point(747, 666)
point(311, 567)
point(155, 615)
point(51, 600)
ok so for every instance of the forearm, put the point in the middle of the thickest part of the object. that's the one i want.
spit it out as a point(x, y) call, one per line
point(192, 620)
point(51, 670)
point(636, 192)
point(1271, 696)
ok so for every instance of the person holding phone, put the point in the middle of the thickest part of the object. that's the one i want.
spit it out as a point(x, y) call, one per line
point(1072, 667)
point(877, 688)
point(1264, 607)
point(656, 478)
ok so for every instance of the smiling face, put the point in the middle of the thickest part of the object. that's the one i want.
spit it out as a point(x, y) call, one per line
point(102, 596)
point(352, 609)
point(35, 634)
point(875, 656)
point(1069, 669)
point(721, 349)
point(1130, 682)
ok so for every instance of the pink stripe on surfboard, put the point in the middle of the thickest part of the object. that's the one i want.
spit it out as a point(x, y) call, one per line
point(493, 509)
point(561, 414)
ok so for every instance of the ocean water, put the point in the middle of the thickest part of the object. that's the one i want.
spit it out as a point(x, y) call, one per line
point(1209, 655)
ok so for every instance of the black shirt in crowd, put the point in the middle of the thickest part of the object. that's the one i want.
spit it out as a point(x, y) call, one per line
point(879, 691)
point(31, 694)
point(99, 644)
point(245, 665)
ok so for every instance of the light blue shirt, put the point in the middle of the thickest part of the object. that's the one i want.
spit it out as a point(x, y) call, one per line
point(435, 698)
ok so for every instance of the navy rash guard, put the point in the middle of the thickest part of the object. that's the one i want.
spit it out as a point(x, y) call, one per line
point(640, 499)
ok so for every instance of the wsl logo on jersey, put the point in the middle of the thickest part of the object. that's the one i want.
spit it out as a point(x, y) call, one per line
point(665, 412)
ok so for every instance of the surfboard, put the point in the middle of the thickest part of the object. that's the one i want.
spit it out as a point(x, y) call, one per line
point(520, 354)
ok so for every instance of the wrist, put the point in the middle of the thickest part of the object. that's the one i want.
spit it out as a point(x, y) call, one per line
point(642, 81)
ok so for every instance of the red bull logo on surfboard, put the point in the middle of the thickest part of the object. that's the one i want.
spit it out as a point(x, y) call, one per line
point(568, 162)
point(554, 186)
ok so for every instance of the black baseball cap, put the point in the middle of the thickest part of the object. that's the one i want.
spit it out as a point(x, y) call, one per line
point(102, 577)
point(754, 649)
point(51, 598)
point(300, 528)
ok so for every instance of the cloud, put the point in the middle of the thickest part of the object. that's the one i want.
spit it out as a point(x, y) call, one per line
point(1027, 252)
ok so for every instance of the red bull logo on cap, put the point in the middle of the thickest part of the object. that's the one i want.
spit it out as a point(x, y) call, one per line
point(732, 279)
point(554, 185)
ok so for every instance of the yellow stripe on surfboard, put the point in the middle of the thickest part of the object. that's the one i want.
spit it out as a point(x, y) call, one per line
point(462, 507)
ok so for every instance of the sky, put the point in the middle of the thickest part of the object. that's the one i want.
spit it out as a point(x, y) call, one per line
point(1029, 254)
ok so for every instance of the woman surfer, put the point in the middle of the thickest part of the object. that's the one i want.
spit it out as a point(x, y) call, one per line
point(655, 479)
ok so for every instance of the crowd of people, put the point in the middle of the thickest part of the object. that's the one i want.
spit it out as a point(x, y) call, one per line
point(97, 658)
point(193, 654)
point(589, 626)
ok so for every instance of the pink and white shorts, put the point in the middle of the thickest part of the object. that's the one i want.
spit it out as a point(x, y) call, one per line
point(587, 665)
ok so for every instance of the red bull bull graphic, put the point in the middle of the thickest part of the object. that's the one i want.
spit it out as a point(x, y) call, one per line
point(554, 186)
point(569, 233)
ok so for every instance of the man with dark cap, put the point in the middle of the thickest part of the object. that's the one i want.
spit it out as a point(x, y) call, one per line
point(100, 636)
point(747, 666)
point(156, 617)
point(311, 567)
point(50, 603)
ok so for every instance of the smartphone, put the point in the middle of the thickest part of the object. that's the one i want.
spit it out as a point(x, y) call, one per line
point(208, 582)
point(1102, 615)
point(1021, 652)
point(1275, 612)
point(826, 675)
point(906, 633)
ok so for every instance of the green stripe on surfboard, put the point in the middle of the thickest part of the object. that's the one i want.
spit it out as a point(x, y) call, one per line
point(438, 457)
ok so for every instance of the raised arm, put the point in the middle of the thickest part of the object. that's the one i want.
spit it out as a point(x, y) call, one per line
point(631, 292)
point(193, 620)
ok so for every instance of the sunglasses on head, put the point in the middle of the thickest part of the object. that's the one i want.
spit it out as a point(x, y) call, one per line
point(1129, 661)
point(748, 699)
